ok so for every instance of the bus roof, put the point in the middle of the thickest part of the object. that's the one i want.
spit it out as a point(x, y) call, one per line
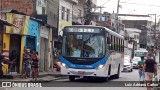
point(107, 29)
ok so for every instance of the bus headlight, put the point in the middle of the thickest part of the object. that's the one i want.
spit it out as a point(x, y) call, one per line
point(64, 65)
point(100, 66)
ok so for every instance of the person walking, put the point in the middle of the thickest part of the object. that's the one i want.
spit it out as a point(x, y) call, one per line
point(140, 70)
point(149, 69)
point(35, 65)
point(27, 58)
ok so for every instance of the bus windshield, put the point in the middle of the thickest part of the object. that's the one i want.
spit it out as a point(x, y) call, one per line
point(139, 54)
point(83, 45)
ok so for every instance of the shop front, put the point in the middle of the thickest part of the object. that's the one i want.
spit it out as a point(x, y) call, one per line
point(2, 28)
point(44, 36)
point(32, 39)
point(13, 38)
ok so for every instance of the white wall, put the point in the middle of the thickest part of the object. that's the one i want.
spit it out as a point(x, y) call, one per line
point(76, 14)
point(67, 5)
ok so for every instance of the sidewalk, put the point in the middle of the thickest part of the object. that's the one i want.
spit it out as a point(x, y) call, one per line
point(43, 77)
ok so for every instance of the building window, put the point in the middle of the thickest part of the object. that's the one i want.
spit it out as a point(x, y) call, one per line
point(102, 18)
point(63, 13)
point(80, 12)
point(68, 14)
point(135, 37)
point(41, 6)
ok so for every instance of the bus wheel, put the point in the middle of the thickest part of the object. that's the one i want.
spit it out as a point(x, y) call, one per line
point(72, 78)
point(117, 75)
point(105, 79)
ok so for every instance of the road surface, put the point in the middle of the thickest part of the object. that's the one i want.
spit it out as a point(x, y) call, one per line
point(89, 84)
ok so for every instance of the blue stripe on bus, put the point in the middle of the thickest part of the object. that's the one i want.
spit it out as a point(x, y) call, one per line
point(93, 66)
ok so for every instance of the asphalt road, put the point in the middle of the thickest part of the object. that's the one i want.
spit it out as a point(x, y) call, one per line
point(91, 84)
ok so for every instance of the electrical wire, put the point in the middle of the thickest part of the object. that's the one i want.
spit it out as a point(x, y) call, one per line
point(102, 4)
point(141, 4)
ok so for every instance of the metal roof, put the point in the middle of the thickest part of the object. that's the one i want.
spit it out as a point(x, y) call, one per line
point(6, 10)
point(4, 22)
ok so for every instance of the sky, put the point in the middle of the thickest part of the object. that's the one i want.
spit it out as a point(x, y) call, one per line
point(142, 7)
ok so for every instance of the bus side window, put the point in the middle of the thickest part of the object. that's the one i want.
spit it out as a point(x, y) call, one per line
point(107, 41)
point(121, 45)
point(112, 41)
point(115, 44)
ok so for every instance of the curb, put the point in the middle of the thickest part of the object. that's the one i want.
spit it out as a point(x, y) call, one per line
point(41, 80)
point(55, 77)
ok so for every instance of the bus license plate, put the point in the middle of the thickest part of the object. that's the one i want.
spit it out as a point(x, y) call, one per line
point(81, 72)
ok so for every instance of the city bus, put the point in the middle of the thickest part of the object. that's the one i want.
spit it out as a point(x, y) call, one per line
point(137, 56)
point(91, 51)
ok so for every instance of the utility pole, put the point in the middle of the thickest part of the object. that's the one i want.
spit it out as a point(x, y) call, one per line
point(154, 37)
point(117, 16)
point(88, 13)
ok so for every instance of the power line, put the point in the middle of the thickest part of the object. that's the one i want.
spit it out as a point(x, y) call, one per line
point(140, 4)
point(105, 2)
point(102, 4)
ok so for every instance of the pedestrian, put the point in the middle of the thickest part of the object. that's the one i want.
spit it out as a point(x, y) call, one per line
point(149, 69)
point(27, 58)
point(56, 60)
point(140, 69)
point(24, 64)
point(13, 61)
point(35, 65)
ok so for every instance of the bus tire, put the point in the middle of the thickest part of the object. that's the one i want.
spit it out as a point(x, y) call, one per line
point(118, 72)
point(72, 78)
point(105, 79)
point(109, 70)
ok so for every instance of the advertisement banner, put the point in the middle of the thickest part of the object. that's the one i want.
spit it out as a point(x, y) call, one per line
point(20, 21)
point(62, 24)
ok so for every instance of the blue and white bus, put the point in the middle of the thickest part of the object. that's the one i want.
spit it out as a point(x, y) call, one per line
point(91, 51)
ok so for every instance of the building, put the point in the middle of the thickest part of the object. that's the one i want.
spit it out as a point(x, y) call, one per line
point(144, 26)
point(108, 20)
point(48, 12)
point(13, 37)
point(41, 25)
point(3, 24)
point(78, 13)
point(65, 13)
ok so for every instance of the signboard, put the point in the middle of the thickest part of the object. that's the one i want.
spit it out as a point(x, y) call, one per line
point(86, 30)
point(62, 24)
point(21, 21)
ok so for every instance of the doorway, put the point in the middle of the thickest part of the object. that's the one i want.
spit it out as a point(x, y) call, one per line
point(31, 43)
point(15, 45)
point(43, 54)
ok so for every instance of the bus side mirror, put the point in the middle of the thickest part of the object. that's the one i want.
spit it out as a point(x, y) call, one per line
point(108, 40)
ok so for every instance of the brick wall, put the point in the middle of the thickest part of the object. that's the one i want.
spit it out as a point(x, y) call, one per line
point(25, 6)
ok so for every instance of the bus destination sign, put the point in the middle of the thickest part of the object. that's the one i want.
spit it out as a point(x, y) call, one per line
point(86, 30)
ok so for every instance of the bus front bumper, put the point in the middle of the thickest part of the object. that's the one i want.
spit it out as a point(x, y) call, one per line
point(84, 72)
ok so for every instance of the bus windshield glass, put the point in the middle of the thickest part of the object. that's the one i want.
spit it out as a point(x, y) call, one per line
point(83, 45)
point(139, 54)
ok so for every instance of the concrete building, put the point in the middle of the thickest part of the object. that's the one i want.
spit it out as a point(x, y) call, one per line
point(78, 13)
point(43, 11)
point(47, 11)
point(65, 13)
point(143, 25)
